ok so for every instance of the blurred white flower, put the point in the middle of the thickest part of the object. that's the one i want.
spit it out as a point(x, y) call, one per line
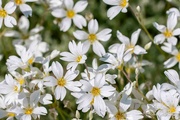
point(168, 32)
point(9, 21)
point(173, 11)
point(75, 56)
point(131, 47)
point(93, 37)
point(69, 12)
point(118, 6)
point(24, 8)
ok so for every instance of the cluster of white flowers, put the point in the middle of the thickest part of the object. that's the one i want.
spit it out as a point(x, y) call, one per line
point(35, 80)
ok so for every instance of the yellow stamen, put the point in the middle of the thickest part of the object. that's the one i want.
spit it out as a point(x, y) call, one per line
point(61, 82)
point(70, 13)
point(31, 60)
point(16, 88)
point(178, 57)
point(92, 37)
point(92, 102)
point(95, 91)
point(78, 59)
point(120, 67)
point(3, 13)
point(11, 114)
point(18, 2)
point(120, 116)
point(21, 80)
point(172, 109)
point(123, 3)
point(28, 111)
point(167, 33)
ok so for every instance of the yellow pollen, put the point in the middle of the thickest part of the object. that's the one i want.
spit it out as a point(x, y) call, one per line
point(120, 116)
point(172, 109)
point(61, 82)
point(3, 13)
point(11, 114)
point(123, 3)
point(28, 111)
point(78, 59)
point(178, 57)
point(70, 13)
point(92, 37)
point(18, 2)
point(31, 60)
point(21, 81)
point(15, 88)
point(167, 33)
point(95, 91)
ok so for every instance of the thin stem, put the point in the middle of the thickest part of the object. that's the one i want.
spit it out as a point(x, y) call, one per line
point(126, 76)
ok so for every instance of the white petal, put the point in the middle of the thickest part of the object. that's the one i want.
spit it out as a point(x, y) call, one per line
point(65, 24)
point(93, 26)
point(99, 106)
point(50, 81)
point(80, 6)
point(26, 10)
point(62, 93)
point(170, 62)
point(107, 91)
point(172, 40)
point(160, 28)
point(172, 21)
point(69, 4)
point(79, 21)
point(10, 7)
point(138, 50)
point(176, 32)
point(104, 35)
point(80, 35)
point(172, 76)
point(10, 21)
point(98, 48)
point(134, 37)
point(111, 2)
point(59, 13)
point(1, 22)
point(123, 38)
point(40, 111)
point(125, 103)
point(57, 69)
point(71, 75)
point(23, 24)
point(113, 11)
point(159, 39)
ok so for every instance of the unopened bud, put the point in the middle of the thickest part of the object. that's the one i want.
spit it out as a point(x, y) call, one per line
point(138, 8)
point(147, 46)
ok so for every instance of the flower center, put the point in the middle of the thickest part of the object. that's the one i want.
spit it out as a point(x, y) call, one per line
point(178, 57)
point(123, 3)
point(172, 109)
point(3, 13)
point(18, 2)
point(92, 37)
point(120, 116)
point(78, 59)
point(21, 80)
point(120, 67)
point(168, 33)
point(11, 114)
point(61, 82)
point(28, 111)
point(95, 91)
point(16, 88)
point(31, 60)
point(130, 47)
point(70, 13)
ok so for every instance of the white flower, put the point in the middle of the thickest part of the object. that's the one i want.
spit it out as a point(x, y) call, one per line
point(92, 94)
point(9, 21)
point(93, 37)
point(29, 107)
point(77, 55)
point(24, 8)
point(173, 10)
point(69, 12)
point(61, 81)
point(131, 46)
point(118, 6)
point(173, 60)
point(55, 3)
point(168, 32)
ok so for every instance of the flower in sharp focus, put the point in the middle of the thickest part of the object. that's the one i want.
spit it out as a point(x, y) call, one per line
point(168, 32)
point(131, 47)
point(118, 6)
point(75, 56)
point(62, 82)
point(9, 21)
point(69, 12)
point(93, 37)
